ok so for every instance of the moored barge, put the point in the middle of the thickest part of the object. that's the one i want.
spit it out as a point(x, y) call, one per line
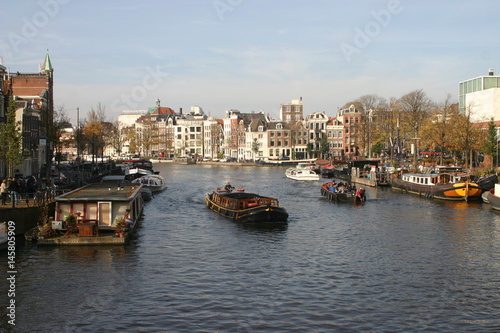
point(452, 186)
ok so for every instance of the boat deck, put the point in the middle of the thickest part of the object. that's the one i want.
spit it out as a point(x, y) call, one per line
point(73, 239)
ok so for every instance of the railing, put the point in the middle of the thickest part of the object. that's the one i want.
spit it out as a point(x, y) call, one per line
point(38, 198)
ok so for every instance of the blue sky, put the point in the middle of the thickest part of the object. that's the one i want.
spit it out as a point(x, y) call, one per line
point(250, 55)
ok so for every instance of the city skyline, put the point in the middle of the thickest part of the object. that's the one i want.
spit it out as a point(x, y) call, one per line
point(248, 55)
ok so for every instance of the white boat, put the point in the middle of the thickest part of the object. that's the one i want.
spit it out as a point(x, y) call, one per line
point(301, 172)
point(493, 197)
point(155, 183)
point(3, 235)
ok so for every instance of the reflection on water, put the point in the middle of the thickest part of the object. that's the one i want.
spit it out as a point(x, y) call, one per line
point(397, 263)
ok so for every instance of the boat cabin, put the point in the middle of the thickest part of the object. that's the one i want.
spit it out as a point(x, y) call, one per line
point(101, 203)
point(241, 200)
point(139, 163)
point(433, 178)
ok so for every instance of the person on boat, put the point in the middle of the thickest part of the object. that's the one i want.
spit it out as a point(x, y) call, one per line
point(228, 187)
point(128, 221)
point(360, 195)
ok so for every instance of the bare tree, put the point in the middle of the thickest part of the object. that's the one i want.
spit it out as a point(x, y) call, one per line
point(94, 130)
point(415, 107)
point(465, 136)
point(61, 121)
point(437, 129)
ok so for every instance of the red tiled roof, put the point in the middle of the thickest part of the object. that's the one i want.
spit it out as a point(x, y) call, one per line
point(163, 110)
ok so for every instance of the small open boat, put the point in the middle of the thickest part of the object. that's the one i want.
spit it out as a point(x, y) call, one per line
point(246, 207)
point(342, 192)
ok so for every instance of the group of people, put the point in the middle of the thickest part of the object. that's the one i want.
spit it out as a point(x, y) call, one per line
point(346, 187)
point(341, 187)
point(16, 188)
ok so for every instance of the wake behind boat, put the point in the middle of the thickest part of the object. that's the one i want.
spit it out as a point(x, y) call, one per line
point(246, 207)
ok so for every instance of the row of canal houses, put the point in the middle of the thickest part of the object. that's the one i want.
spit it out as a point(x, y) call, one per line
point(162, 132)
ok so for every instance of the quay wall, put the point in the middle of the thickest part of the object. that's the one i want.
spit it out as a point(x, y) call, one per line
point(25, 218)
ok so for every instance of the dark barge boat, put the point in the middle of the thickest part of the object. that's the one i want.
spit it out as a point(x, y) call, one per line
point(246, 207)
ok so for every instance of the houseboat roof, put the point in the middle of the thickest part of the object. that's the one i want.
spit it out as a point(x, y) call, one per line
point(103, 192)
point(420, 174)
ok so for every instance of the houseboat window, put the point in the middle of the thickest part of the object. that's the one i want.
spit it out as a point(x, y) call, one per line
point(91, 211)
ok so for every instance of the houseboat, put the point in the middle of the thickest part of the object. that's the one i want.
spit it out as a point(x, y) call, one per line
point(93, 214)
point(454, 185)
point(246, 207)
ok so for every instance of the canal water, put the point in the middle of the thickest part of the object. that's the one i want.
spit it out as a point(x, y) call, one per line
point(398, 263)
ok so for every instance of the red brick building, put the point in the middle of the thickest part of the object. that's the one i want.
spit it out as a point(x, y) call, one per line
point(33, 94)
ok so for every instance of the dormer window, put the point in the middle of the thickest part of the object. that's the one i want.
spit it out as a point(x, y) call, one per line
point(261, 128)
point(279, 126)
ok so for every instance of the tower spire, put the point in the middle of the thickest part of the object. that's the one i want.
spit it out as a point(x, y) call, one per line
point(47, 65)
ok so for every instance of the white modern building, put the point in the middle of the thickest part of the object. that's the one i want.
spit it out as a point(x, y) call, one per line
point(481, 97)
